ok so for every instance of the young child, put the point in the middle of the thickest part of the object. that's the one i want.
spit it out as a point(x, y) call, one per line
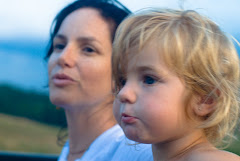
point(177, 80)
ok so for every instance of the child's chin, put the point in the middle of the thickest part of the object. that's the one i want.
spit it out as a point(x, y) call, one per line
point(133, 135)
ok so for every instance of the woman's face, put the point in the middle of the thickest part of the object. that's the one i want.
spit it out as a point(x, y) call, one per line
point(79, 67)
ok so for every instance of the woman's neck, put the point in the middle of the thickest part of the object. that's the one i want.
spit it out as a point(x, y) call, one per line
point(85, 126)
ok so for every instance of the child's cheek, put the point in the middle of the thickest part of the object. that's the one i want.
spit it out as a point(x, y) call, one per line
point(116, 110)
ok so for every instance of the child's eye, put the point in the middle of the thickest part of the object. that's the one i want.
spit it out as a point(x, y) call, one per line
point(120, 84)
point(122, 81)
point(149, 80)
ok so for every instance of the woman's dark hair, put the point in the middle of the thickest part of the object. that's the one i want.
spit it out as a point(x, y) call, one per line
point(111, 10)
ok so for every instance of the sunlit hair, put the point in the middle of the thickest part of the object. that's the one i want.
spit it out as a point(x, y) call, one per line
point(193, 47)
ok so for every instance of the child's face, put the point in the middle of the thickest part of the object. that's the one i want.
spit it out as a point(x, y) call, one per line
point(150, 107)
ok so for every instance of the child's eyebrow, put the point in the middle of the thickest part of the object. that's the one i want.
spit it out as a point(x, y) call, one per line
point(148, 68)
point(145, 68)
point(151, 68)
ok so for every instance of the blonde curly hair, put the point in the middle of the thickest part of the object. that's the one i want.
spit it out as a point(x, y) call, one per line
point(197, 50)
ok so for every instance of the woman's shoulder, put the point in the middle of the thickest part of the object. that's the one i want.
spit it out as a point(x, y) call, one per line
point(213, 155)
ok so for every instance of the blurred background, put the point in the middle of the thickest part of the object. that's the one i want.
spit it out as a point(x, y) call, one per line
point(28, 121)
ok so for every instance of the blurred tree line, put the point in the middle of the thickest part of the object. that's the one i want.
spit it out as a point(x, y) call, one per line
point(31, 105)
point(37, 106)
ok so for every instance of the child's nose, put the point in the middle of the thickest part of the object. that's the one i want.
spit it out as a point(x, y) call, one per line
point(127, 94)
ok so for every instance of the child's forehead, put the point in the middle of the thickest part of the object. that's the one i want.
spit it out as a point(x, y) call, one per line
point(150, 48)
point(145, 57)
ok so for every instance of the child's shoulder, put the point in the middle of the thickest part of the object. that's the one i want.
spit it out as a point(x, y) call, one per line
point(212, 155)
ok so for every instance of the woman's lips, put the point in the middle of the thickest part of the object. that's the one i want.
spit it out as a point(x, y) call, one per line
point(61, 80)
point(128, 119)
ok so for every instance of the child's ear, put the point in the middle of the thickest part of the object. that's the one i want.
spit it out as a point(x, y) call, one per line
point(204, 105)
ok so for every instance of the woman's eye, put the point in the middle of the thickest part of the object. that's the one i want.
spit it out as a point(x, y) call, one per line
point(58, 46)
point(88, 49)
point(149, 80)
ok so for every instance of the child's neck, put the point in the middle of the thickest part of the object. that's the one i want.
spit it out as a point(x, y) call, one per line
point(178, 149)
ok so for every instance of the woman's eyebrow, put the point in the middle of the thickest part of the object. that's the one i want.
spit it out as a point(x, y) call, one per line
point(79, 39)
point(59, 36)
point(87, 39)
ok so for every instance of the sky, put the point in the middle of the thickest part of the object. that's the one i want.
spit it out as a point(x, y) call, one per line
point(32, 18)
point(25, 25)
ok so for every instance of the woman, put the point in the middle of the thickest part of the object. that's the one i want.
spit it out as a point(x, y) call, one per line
point(79, 68)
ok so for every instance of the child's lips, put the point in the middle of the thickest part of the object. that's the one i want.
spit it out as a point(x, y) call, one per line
point(128, 119)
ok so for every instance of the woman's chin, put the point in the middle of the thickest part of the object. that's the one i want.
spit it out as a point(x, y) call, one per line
point(58, 101)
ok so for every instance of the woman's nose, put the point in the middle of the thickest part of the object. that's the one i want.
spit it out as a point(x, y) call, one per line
point(127, 94)
point(67, 57)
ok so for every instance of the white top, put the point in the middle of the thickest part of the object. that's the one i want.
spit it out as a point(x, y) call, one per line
point(113, 145)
